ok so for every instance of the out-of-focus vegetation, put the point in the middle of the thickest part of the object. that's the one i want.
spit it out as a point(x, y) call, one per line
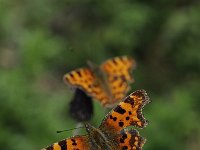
point(42, 40)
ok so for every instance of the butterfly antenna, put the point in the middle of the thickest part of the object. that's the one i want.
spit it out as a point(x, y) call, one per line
point(60, 131)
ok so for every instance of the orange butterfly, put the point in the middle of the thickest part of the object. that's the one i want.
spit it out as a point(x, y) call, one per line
point(108, 84)
point(111, 134)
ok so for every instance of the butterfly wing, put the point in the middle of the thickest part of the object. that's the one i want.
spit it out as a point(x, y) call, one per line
point(74, 143)
point(127, 113)
point(130, 140)
point(81, 107)
point(118, 75)
point(84, 79)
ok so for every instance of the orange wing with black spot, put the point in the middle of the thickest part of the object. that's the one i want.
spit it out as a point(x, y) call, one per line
point(73, 143)
point(127, 113)
point(118, 75)
point(84, 79)
point(130, 140)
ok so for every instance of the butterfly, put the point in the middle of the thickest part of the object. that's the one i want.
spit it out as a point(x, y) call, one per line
point(113, 133)
point(108, 83)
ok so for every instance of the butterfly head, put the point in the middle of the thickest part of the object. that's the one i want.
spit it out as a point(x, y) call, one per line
point(89, 128)
point(93, 132)
point(95, 68)
point(91, 64)
point(98, 138)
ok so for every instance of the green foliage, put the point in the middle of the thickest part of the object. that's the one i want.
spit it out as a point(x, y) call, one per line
point(42, 40)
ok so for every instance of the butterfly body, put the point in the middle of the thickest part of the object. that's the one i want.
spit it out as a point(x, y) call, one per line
point(102, 81)
point(112, 134)
point(101, 77)
point(100, 140)
point(108, 83)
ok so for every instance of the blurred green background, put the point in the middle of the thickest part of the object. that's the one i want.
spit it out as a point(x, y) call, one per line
point(42, 40)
